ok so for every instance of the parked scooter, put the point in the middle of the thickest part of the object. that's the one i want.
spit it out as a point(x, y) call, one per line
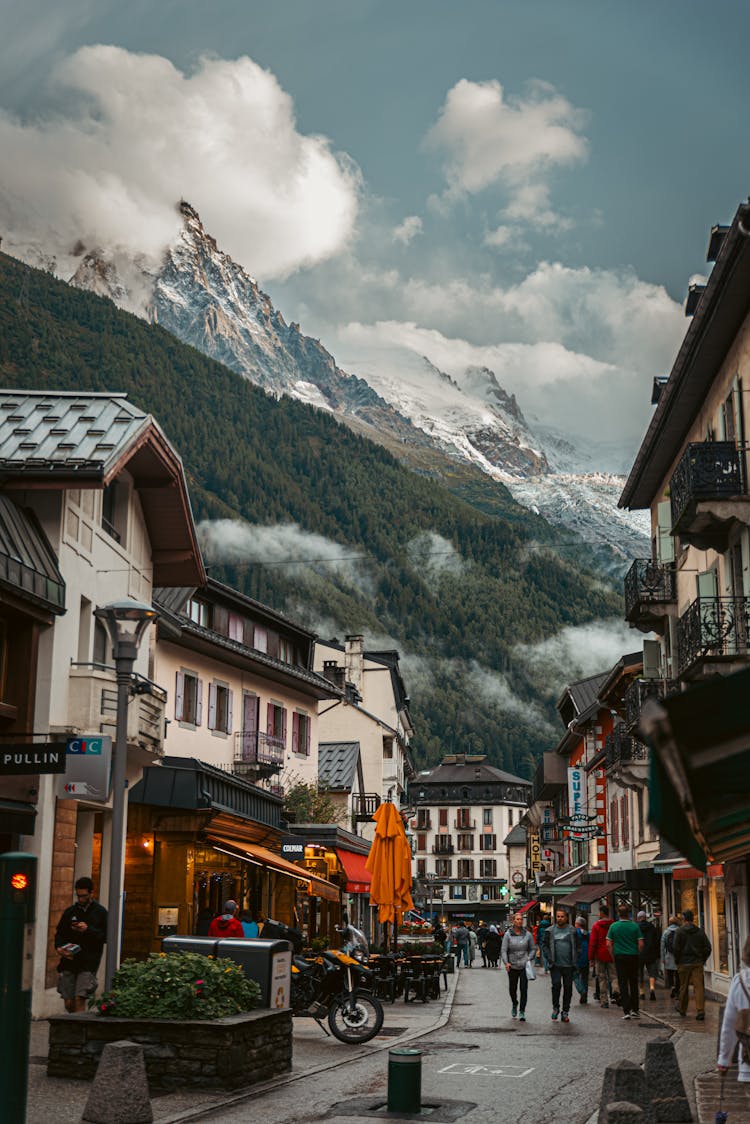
point(336, 986)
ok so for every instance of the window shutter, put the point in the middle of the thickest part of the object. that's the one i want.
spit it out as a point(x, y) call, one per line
point(308, 730)
point(198, 701)
point(229, 712)
point(664, 536)
point(283, 725)
point(179, 696)
point(295, 733)
point(212, 706)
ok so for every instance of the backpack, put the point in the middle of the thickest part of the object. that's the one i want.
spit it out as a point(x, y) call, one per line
point(669, 942)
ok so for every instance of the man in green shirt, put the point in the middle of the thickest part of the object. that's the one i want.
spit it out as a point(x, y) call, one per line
point(625, 941)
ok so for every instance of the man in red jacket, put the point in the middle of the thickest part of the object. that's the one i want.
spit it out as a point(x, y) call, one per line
point(600, 957)
point(226, 924)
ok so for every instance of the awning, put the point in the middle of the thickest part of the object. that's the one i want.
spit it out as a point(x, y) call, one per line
point(357, 875)
point(699, 786)
point(593, 891)
point(686, 873)
point(261, 856)
point(555, 891)
point(524, 908)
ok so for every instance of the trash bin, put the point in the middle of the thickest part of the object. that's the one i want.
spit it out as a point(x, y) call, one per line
point(269, 963)
point(205, 945)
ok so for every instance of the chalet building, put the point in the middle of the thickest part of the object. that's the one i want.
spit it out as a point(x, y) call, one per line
point(205, 825)
point(107, 515)
point(691, 474)
point(374, 711)
point(465, 809)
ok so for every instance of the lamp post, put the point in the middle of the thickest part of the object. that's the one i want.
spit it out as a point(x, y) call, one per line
point(126, 623)
point(430, 876)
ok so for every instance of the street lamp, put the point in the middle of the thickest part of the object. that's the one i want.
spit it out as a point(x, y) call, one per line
point(126, 623)
point(431, 876)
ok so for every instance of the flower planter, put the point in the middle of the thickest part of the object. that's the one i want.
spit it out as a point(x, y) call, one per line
point(218, 1054)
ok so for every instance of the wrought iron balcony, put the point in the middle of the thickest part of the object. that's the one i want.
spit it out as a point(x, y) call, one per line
point(709, 474)
point(257, 753)
point(622, 749)
point(364, 805)
point(649, 587)
point(442, 849)
point(642, 689)
point(714, 629)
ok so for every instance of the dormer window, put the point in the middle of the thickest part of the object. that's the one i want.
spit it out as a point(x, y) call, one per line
point(197, 611)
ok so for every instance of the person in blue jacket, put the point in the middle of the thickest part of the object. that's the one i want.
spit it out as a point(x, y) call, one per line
point(581, 974)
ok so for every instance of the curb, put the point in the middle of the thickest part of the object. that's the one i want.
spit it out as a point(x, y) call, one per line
point(264, 1087)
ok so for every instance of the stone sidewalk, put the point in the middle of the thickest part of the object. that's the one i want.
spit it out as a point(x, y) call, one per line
point(54, 1099)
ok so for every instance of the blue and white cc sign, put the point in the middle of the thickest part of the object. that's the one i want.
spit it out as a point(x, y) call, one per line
point(88, 766)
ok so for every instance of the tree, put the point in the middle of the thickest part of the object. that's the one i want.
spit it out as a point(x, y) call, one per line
point(309, 803)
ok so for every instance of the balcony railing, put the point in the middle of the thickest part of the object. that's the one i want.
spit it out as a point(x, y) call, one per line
point(257, 753)
point(442, 849)
point(642, 689)
point(464, 825)
point(714, 628)
point(708, 470)
point(622, 749)
point(364, 805)
point(647, 584)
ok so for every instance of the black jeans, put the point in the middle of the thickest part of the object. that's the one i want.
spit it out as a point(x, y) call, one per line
point(516, 976)
point(561, 977)
point(627, 980)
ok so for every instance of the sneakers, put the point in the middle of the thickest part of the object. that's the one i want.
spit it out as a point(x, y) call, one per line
point(605, 1004)
point(677, 1011)
point(522, 1017)
point(555, 1014)
point(701, 1016)
point(652, 996)
point(626, 1016)
point(584, 999)
point(565, 1017)
point(513, 1011)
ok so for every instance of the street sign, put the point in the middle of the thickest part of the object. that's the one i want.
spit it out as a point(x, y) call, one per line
point(88, 764)
point(26, 758)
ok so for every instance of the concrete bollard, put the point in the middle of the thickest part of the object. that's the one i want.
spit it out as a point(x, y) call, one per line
point(404, 1080)
point(664, 1083)
point(621, 1112)
point(625, 1081)
point(119, 1091)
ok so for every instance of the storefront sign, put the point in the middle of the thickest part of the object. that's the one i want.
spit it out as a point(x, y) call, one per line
point(293, 851)
point(576, 791)
point(88, 763)
point(535, 849)
point(24, 758)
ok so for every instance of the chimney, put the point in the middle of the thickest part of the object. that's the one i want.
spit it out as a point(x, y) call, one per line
point(354, 661)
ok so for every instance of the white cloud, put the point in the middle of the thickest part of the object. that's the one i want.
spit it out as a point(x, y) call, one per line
point(408, 229)
point(431, 555)
point(137, 134)
point(577, 652)
point(499, 237)
point(489, 139)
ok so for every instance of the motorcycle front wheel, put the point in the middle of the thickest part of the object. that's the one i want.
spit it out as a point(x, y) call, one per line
point(356, 1018)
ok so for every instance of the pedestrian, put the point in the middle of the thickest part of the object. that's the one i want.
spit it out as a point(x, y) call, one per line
point(667, 956)
point(249, 924)
point(226, 924)
point(625, 942)
point(648, 961)
point(581, 974)
point(517, 951)
point(692, 949)
point(561, 949)
point(738, 998)
point(461, 938)
point(79, 941)
point(482, 932)
point(492, 946)
point(473, 942)
point(543, 926)
point(600, 955)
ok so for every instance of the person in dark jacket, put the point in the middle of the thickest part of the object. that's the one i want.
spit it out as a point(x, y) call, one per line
point(648, 960)
point(581, 974)
point(562, 949)
point(79, 940)
point(692, 949)
point(226, 924)
point(492, 946)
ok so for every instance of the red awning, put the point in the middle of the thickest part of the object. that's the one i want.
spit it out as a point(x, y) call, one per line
point(685, 872)
point(358, 878)
point(523, 908)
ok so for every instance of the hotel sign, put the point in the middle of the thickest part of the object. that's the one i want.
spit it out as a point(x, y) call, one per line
point(27, 758)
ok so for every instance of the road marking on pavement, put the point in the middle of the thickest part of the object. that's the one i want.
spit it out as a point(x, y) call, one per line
point(487, 1070)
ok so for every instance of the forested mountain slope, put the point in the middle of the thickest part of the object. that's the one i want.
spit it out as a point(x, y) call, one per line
point(460, 591)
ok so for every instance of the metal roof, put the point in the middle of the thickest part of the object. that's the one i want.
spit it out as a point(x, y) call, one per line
point(469, 773)
point(516, 837)
point(337, 765)
point(28, 565)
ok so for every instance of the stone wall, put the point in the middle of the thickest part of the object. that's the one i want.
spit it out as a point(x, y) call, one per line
point(222, 1054)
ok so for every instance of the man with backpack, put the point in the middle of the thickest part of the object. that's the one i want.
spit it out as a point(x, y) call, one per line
point(692, 949)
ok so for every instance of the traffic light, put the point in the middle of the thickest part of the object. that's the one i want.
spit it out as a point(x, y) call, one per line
point(17, 912)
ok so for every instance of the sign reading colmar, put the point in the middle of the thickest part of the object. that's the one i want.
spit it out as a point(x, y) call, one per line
point(25, 758)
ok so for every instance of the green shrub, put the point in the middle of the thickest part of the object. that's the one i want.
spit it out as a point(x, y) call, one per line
point(181, 985)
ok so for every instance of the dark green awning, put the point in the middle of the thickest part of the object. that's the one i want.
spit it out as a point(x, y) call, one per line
point(699, 788)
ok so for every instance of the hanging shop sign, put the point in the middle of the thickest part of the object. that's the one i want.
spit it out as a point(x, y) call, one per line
point(88, 768)
point(25, 759)
point(535, 850)
point(576, 797)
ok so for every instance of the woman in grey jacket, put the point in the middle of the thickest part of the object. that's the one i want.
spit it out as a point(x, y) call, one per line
point(517, 950)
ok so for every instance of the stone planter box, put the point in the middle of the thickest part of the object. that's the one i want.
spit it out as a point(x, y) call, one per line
point(217, 1054)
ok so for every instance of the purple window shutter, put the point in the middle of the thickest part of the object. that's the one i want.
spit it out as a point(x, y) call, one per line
point(307, 737)
point(269, 720)
point(199, 702)
point(179, 696)
point(283, 726)
point(295, 733)
point(212, 706)
point(229, 712)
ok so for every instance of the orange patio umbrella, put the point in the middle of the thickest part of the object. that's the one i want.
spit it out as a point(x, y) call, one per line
point(389, 863)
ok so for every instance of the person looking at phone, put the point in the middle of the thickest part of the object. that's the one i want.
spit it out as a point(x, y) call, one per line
point(79, 941)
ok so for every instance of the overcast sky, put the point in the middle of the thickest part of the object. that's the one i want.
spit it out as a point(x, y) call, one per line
point(527, 185)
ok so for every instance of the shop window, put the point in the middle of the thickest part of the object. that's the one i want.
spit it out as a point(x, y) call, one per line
point(458, 893)
point(189, 698)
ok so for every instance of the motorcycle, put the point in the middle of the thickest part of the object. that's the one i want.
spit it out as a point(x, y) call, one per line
point(336, 986)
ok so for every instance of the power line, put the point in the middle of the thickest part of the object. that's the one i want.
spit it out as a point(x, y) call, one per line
point(317, 561)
